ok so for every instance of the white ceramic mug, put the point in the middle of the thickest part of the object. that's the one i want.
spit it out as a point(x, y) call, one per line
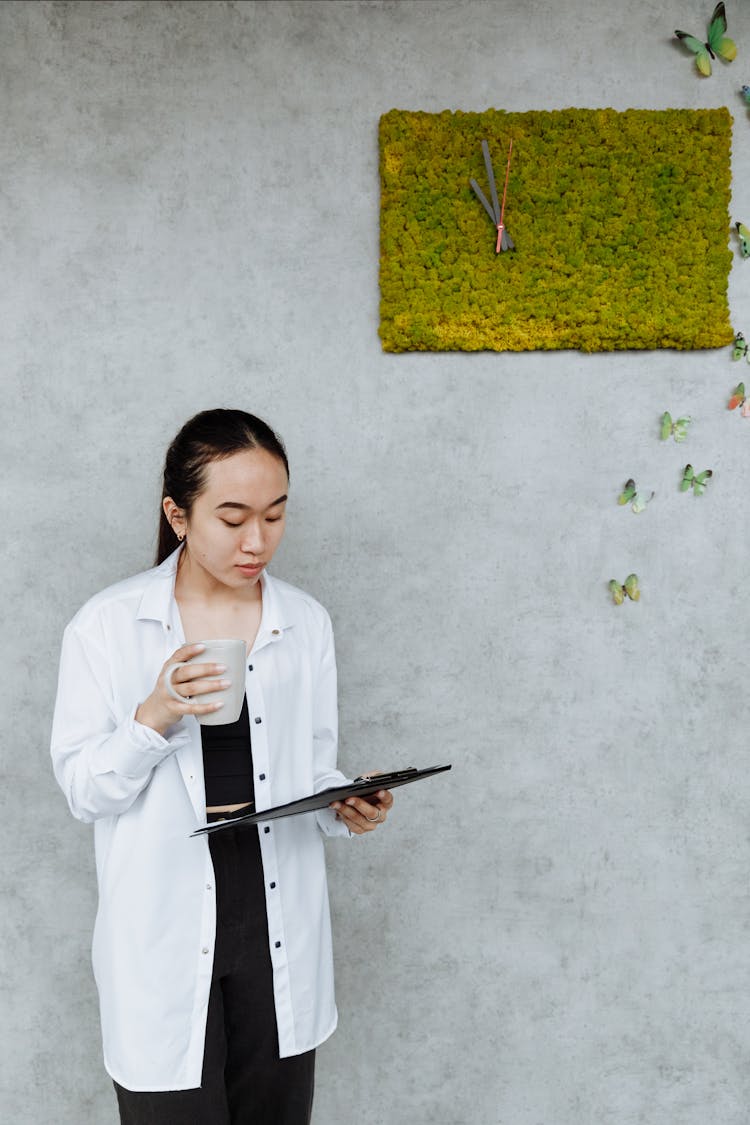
point(233, 653)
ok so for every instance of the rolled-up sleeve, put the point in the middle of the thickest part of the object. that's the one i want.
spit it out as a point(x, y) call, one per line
point(325, 732)
point(101, 763)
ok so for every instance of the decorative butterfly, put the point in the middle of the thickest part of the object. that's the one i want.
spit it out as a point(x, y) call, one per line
point(715, 45)
point(746, 94)
point(630, 587)
point(677, 429)
point(631, 495)
point(739, 398)
point(744, 234)
point(741, 347)
point(695, 480)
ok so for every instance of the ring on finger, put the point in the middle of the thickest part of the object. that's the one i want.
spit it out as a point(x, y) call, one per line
point(373, 819)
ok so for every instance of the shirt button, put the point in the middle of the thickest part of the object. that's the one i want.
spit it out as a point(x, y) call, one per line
point(277, 944)
point(169, 628)
point(272, 886)
point(261, 777)
point(258, 719)
point(249, 667)
point(205, 949)
point(275, 632)
point(266, 829)
point(208, 887)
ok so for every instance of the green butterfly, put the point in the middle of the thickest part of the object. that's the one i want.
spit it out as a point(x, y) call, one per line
point(630, 494)
point(630, 587)
point(715, 45)
point(695, 480)
point(678, 428)
point(740, 347)
point(746, 93)
point(744, 234)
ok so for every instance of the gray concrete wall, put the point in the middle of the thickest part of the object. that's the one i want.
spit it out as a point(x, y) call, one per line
point(189, 218)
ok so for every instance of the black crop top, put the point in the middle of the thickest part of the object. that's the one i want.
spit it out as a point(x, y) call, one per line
point(228, 761)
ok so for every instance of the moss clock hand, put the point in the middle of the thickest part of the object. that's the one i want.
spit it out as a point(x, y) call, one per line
point(504, 241)
point(495, 212)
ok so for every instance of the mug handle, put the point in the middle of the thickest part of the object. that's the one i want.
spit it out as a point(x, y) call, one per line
point(169, 672)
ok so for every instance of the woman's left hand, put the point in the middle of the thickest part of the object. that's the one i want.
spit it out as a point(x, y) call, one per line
point(360, 815)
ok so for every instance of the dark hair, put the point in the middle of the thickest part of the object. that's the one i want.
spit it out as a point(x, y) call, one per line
point(209, 436)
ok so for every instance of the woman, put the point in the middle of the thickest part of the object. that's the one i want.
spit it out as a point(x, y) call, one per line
point(212, 956)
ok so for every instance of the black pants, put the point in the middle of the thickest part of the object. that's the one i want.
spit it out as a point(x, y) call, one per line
point(244, 1081)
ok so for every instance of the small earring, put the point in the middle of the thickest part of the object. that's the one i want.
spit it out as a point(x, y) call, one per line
point(181, 537)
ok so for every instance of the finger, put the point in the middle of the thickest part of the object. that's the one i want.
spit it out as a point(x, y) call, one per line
point(201, 673)
point(192, 692)
point(354, 820)
point(363, 813)
point(184, 652)
point(365, 808)
point(361, 816)
point(196, 678)
point(191, 707)
point(197, 672)
point(385, 798)
point(346, 813)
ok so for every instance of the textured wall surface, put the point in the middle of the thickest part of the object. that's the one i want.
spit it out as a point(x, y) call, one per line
point(189, 218)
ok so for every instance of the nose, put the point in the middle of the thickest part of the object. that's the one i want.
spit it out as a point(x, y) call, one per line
point(252, 540)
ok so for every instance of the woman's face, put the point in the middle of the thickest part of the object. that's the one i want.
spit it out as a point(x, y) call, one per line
point(237, 521)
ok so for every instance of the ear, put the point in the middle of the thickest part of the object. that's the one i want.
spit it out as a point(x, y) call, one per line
point(175, 517)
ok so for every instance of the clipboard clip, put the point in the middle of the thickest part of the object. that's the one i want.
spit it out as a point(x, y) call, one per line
point(385, 777)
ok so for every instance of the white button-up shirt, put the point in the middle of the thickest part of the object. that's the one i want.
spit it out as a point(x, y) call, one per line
point(154, 935)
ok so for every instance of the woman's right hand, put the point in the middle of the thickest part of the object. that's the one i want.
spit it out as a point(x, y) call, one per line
point(161, 709)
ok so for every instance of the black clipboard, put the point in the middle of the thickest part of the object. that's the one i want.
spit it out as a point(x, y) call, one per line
point(360, 787)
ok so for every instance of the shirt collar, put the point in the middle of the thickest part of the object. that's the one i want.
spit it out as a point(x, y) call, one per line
point(158, 597)
point(158, 593)
point(276, 615)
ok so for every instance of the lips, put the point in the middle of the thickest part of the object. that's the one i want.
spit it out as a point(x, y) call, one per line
point(250, 566)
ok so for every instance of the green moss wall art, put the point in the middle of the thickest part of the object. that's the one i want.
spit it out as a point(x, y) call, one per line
point(620, 224)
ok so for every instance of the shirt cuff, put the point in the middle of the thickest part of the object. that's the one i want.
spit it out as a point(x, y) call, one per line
point(330, 824)
point(133, 749)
